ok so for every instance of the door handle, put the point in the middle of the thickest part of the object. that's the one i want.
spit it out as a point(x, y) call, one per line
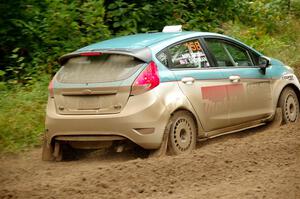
point(234, 78)
point(188, 80)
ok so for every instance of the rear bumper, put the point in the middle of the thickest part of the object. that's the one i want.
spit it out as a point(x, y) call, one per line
point(145, 111)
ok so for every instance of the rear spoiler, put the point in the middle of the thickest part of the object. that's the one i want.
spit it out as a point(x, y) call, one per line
point(143, 54)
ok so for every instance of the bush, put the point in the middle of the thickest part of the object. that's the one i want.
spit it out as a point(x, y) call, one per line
point(22, 111)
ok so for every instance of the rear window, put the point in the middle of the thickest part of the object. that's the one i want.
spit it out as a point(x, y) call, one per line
point(96, 69)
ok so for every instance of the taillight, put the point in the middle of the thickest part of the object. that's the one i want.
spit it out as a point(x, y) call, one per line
point(147, 80)
point(51, 89)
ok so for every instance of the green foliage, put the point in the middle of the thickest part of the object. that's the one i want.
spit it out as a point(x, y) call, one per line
point(17, 71)
point(265, 14)
point(67, 27)
point(295, 7)
point(49, 30)
point(284, 45)
point(127, 17)
point(22, 115)
point(123, 17)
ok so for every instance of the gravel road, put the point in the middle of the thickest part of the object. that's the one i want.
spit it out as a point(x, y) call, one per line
point(258, 163)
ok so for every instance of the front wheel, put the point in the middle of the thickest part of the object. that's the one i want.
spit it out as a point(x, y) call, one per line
point(182, 135)
point(289, 104)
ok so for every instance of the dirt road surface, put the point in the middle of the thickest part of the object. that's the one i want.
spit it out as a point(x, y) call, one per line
point(259, 163)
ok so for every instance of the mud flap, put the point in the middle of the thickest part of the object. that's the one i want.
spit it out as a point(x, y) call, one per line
point(277, 120)
point(47, 153)
point(162, 150)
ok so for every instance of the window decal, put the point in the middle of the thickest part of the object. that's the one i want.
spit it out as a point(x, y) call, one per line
point(188, 55)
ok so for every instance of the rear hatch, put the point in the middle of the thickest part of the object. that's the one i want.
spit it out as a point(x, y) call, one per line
point(95, 83)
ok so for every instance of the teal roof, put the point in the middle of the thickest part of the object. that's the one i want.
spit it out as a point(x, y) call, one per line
point(157, 41)
point(136, 41)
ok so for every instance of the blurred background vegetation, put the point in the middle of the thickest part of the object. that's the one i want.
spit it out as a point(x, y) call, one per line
point(34, 34)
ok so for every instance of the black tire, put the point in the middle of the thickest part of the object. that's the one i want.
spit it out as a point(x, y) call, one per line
point(289, 104)
point(182, 135)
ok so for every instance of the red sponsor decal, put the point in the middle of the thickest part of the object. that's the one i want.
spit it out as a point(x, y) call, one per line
point(219, 93)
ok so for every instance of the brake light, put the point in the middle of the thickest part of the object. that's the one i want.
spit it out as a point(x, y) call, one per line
point(147, 80)
point(91, 54)
point(51, 89)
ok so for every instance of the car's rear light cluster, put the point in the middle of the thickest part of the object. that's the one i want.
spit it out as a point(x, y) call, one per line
point(51, 89)
point(147, 80)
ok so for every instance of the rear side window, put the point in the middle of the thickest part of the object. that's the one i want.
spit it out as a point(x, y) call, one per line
point(188, 54)
point(96, 69)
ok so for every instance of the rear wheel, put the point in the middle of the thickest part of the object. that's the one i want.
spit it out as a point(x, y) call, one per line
point(182, 135)
point(289, 104)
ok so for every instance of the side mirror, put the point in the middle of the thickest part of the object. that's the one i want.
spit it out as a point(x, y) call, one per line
point(263, 63)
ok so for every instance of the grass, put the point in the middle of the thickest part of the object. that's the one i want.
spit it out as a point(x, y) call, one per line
point(22, 109)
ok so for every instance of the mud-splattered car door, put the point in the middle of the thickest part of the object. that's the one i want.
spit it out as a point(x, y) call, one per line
point(248, 87)
point(203, 85)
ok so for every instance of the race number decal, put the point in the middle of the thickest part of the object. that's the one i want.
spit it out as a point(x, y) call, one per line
point(194, 45)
